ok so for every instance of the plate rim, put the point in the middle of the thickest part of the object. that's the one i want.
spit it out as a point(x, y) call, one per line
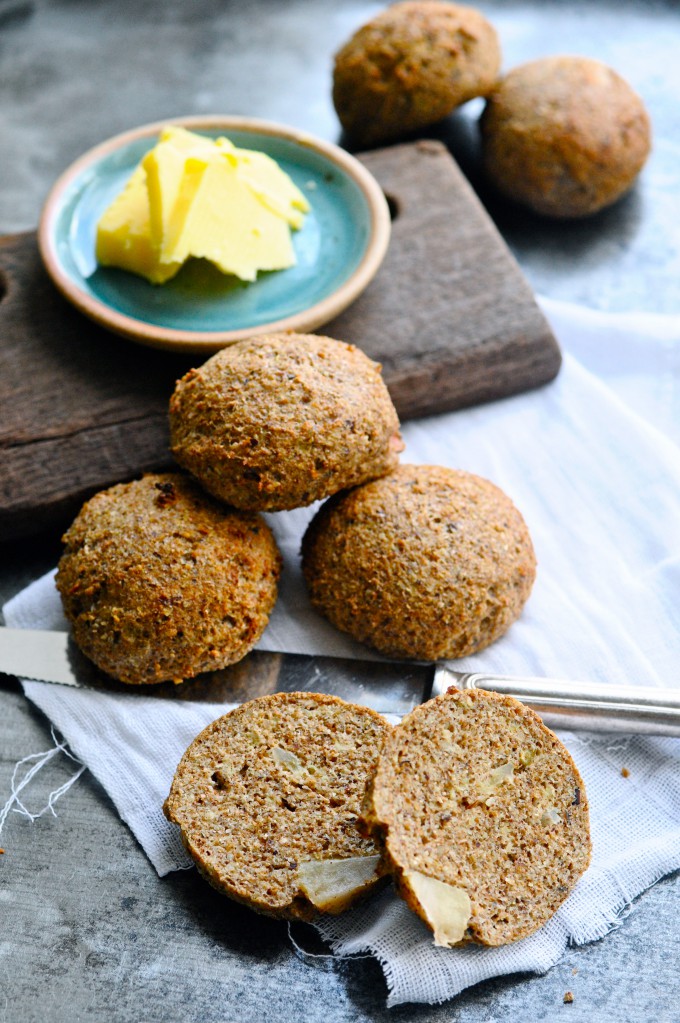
point(156, 336)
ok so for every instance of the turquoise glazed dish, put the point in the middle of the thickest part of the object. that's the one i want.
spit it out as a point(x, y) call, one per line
point(338, 250)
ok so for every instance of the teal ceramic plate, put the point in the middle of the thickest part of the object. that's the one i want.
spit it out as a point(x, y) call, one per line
point(338, 250)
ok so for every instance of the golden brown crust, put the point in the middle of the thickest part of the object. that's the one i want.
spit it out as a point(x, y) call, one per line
point(283, 420)
point(473, 790)
point(566, 136)
point(411, 66)
point(277, 782)
point(159, 582)
point(428, 562)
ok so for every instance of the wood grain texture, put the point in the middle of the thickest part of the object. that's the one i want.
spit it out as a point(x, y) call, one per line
point(79, 408)
point(449, 316)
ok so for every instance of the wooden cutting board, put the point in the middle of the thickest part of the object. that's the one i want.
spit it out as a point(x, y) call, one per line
point(449, 316)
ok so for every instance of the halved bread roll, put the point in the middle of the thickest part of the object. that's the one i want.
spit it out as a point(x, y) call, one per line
point(481, 815)
point(268, 798)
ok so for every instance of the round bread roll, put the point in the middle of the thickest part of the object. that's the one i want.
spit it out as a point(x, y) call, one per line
point(282, 420)
point(428, 562)
point(159, 582)
point(482, 816)
point(267, 799)
point(565, 136)
point(411, 66)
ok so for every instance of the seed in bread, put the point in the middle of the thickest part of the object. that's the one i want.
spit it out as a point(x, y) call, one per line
point(282, 420)
point(565, 136)
point(482, 816)
point(411, 66)
point(427, 562)
point(160, 582)
point(267, 799)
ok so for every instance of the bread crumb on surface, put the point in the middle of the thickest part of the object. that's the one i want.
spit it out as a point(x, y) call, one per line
point(568, 997)
point(625, 772)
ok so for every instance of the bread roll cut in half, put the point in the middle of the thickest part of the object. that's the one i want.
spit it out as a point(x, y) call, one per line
point(482, 816)
point(268, 799)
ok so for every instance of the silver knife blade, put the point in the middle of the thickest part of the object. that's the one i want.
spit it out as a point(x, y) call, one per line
point(391, 687)
point(44, 655)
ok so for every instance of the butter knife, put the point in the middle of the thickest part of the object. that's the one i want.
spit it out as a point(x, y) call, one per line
point(392, 687)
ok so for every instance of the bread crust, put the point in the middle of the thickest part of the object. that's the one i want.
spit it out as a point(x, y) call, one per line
point(410, 66)
point(426, 563)
point(471, 789)
point(160, 583)
point(564, 135)
point(279, 421)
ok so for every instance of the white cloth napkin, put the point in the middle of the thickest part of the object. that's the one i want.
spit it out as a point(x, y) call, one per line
point(593, 463)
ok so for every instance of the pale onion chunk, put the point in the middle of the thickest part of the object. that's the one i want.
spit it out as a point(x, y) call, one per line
point(447, 909)
point(331, 884)
point(285, 758)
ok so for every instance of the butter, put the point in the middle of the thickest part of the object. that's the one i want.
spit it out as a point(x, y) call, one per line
point(173, 171)
point(124, 234)
point(223, 220)
point(269, 183)
point(192, 197)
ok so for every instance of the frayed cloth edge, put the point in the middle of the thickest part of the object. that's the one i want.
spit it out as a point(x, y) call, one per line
point(573, 934)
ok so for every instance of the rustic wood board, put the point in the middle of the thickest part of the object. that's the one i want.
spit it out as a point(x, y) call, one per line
point(449, 316)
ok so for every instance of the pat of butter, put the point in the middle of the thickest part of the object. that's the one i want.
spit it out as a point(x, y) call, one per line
point(173, 171)
point(195, 197)
point(270, 184)
point(225, 222)
point(124, 234)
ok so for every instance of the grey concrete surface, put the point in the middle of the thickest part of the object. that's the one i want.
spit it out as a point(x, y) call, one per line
point(73, 72)
point(88, 932)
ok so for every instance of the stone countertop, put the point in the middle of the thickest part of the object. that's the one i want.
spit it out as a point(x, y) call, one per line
point(89, 932)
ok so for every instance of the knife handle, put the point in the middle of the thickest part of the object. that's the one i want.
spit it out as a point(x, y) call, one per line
point(579, 706)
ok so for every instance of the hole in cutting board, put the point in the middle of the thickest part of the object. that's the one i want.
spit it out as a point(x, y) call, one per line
point(393, 205)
